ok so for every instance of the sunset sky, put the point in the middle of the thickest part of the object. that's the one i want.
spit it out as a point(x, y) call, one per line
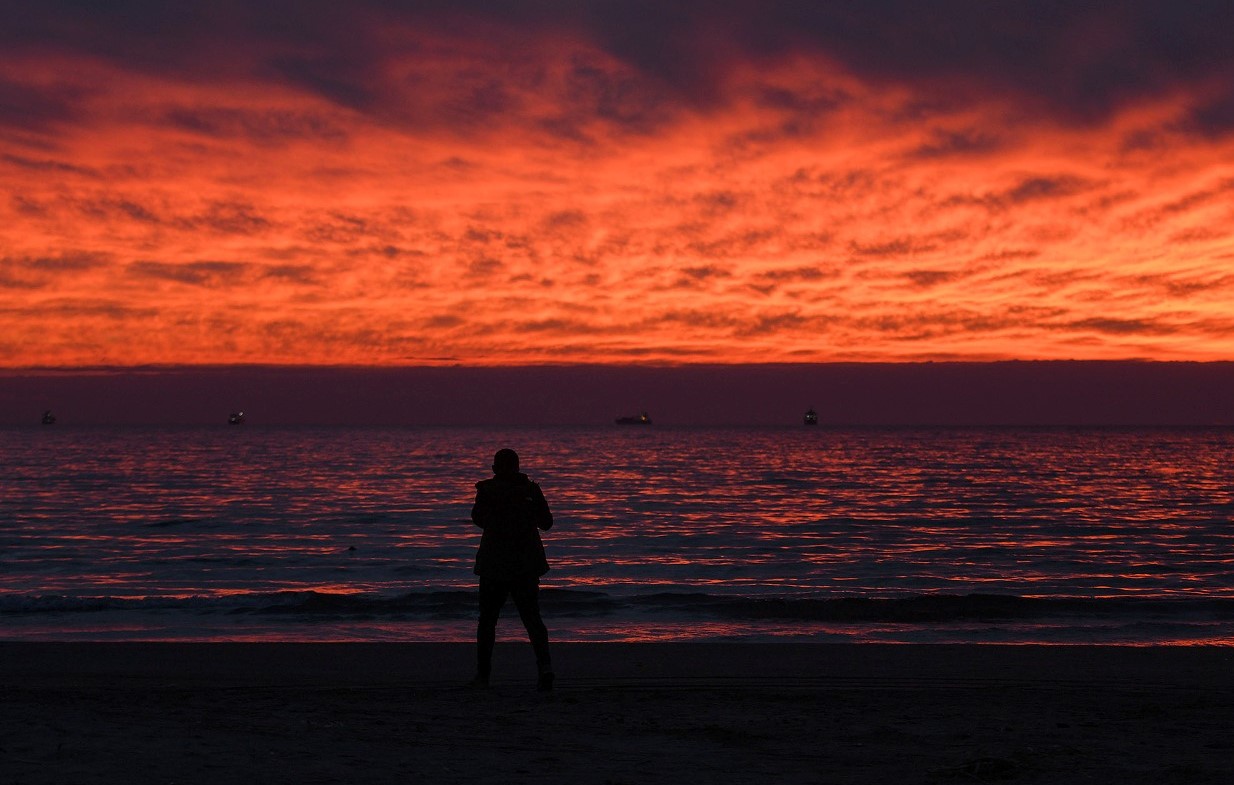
point(379, 183)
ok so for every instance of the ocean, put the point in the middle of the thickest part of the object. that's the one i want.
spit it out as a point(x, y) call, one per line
point(1000, 535)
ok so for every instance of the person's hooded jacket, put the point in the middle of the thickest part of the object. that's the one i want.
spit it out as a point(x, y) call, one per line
point(512, 511)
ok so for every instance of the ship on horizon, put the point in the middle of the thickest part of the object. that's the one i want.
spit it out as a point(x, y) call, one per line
point(811, 416)
point(49, 418)
point(641, 419)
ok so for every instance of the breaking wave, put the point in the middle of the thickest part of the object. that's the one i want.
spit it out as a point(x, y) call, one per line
point(459, 604)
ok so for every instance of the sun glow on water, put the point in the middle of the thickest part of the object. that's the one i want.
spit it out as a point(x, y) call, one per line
point(757, 529)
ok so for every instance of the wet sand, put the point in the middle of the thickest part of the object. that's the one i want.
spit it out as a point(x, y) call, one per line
point(621, 713)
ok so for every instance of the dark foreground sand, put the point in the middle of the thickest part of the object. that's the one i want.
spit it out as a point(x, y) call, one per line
point(622, 713)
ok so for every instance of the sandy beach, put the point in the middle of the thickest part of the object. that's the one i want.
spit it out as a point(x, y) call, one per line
point(621, 713)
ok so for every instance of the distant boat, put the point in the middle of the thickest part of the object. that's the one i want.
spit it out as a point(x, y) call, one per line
point(49, 418)
point(811, 417)
point(642, 419)
point(236, 418)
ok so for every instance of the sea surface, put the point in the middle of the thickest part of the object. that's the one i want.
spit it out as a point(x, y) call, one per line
point(878, 534)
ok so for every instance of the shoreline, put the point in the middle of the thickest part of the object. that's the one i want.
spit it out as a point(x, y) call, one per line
point(431, 664)
point(621, 713)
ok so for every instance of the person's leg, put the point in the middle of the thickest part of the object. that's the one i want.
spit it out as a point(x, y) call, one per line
point(492, 596)
point(527, 599)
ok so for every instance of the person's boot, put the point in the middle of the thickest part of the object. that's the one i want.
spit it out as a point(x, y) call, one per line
point(484, 666)
point(545, 682)
point(545, 667)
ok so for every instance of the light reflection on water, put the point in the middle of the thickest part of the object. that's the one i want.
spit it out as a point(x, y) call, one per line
point(866, 512)
point(892, 510)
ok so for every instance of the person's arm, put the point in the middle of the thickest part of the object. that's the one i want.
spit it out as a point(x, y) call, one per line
point(481, 510)
point(544, 516)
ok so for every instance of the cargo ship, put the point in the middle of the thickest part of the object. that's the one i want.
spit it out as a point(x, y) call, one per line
point(641, 419)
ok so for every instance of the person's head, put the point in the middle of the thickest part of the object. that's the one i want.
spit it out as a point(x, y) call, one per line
point(505, 462)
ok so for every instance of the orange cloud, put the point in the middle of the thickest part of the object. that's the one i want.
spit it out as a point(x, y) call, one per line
point(497, 192)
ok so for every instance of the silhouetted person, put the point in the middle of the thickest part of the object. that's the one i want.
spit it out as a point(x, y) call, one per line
point(512, 511)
